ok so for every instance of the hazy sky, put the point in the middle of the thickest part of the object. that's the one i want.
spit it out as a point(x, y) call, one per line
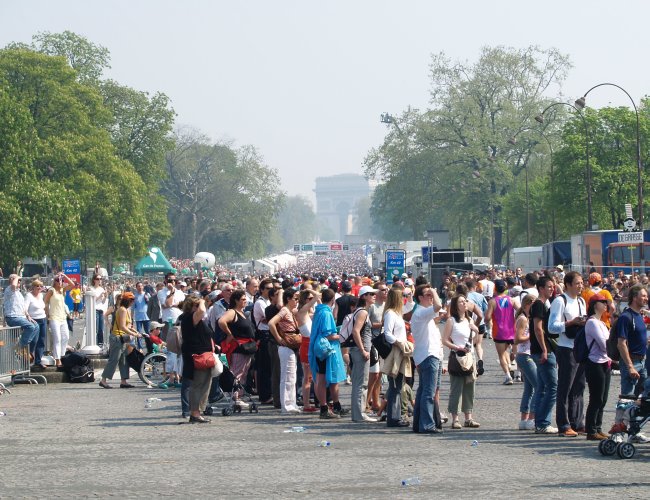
point(306, 81)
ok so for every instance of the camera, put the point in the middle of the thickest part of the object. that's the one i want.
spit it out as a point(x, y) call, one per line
point(468, 346)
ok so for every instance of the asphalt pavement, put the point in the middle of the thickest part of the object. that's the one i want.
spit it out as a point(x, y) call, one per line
point(68, 440)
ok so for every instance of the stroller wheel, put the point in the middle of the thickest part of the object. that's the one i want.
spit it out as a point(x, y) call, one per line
point(625, 450)
point(208, 411)
point(226, 412)
point(607, 447)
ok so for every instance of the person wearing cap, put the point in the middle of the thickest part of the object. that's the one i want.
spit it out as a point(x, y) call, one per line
point(360, 345)
point(120, 337)
point(560, 271)
point(595, 284)
point(598, 367)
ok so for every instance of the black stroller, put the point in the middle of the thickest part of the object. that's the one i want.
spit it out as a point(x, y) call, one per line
point(632, 415)
point(230, 384)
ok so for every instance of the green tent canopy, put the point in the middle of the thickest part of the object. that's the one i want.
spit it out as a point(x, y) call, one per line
point(154, 262)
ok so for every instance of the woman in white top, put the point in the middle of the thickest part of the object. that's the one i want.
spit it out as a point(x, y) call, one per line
point(308, 299)
point(395, 333)
point(55, 311)
point(36, 309)
point(526, 364)
point(598, 367)
point(459, 335)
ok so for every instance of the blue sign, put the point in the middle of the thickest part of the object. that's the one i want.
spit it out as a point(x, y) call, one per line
point(425, 255)
point(72, 266)
point(395, 262)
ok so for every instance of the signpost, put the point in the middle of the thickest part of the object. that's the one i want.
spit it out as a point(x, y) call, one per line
point(630, 237)
point(395, 262)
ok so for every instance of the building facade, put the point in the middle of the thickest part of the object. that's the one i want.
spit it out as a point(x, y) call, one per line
point(336, 199)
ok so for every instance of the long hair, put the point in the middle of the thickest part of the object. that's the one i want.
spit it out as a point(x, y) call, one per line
point(453, 308)
point(394, 301)
point(527, 300)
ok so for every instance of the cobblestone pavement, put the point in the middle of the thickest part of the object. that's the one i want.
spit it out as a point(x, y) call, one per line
point(69, 440)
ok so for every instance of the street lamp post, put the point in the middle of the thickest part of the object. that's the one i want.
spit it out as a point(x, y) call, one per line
point(581, 103)
point(513, 142)
point(540, 119)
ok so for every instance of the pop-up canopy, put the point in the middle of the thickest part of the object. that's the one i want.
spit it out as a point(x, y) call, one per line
point(154, 262)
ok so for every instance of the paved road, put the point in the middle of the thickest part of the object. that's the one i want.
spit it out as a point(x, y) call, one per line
point(79, 440)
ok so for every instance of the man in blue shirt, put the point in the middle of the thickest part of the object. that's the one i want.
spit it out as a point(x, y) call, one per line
point(632, 338)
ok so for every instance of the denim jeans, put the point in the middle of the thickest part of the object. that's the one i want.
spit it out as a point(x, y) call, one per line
point(99, 326)
point(546, 391)
point(423, 413)
point(30, 330)
point(142, 327)
point(394, 400)
point(37, 345)
point(528, 368)
point(630, 385)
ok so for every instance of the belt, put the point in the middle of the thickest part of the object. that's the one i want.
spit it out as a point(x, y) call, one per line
point(637, 357)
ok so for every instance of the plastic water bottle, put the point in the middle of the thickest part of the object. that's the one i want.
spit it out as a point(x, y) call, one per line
point(297, 429)
point(2, 414)
point(148, 402)
point(324, 444)
point(474, 443)
point(411, 481)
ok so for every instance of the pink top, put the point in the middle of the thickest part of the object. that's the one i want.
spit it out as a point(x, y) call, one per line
point(596, 331)
point(503, 318)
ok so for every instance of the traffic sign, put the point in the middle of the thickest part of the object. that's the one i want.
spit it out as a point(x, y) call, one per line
point(296, 248)
point(321, 248)
point(307, 248)
point(336, 247)
point(395, 262)
point(634, 237)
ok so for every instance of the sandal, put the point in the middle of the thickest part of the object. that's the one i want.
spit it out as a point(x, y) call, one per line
point(104, 385)
point(471, 423)
point(126, 386)
point(456, 425)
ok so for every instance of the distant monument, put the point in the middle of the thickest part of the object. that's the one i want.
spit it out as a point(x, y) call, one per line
point(336, 198)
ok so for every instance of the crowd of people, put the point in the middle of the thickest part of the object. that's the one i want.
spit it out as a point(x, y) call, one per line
point(292, 338)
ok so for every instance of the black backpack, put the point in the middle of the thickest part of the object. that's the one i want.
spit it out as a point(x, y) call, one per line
point(81, 374)
point(72, 359)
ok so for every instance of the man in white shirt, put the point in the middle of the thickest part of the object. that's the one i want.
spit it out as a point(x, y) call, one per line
point(427, 355)
point(568, 315)
point(170, 297)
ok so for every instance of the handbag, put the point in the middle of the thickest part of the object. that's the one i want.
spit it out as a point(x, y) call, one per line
point(292, 339)
point(323, 349)
point(382, 345)
point(205, 360)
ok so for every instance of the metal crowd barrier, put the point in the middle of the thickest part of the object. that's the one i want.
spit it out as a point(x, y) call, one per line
point(12, 364)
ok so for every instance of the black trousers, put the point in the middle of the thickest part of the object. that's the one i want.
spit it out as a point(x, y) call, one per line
point(275, 373)
point(598, 378)
point(571, 383)
point(264, 361)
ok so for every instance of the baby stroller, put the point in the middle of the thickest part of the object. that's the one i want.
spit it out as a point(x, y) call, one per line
point(230, 384)
point(631, 416)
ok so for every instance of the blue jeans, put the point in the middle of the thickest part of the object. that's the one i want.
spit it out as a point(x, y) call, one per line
point(630, 385)
point(528, 369)
point(99, 326)
point(37, 345)
point(142, 327)
point(30, 330)
point(546, 390)
point(394, 400)
point(423, 413)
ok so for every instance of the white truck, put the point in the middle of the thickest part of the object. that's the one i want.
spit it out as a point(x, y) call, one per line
point(528, 258)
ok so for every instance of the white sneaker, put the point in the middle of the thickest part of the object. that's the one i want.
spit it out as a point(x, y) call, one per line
point(523, 425)
point(348, 380)
point(508, 380)
point(530, 425)
point(366, 418)
point(546, 430)
point(640, 438)
point(242, 404)
point(292, 411)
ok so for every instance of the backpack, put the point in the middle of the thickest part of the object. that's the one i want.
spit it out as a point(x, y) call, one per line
point(612, 341)
point(72, 359)
point(345, 333)
point(81, 374)
point(580, 349)
point(572, 332)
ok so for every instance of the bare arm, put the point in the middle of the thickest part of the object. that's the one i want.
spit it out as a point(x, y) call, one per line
point(520, 330)
point(356, 332)
point(227, 317)
point(273, 328)
point(490, 311)
point(199, 314)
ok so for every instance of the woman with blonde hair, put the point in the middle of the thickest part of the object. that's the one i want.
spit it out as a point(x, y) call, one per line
point(395, 333)
point(526, 363)
point(36, 309)
point(55, 312)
